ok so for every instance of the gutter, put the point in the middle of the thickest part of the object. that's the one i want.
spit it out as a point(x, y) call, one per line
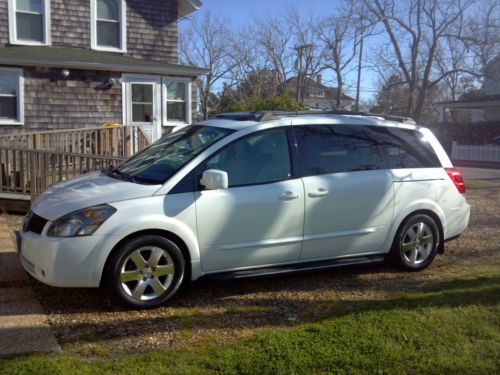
point(124, 68)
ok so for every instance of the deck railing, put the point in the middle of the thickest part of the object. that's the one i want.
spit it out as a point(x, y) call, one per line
point(32, 162)
point(111, 141)
point(30, 172)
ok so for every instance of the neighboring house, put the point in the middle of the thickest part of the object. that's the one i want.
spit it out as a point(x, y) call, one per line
point(482, 107)
point(82, 63)
point(318, 96)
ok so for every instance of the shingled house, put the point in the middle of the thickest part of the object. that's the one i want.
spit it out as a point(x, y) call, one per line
point(81, 63)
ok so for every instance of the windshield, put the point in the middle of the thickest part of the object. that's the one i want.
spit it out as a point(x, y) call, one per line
point(160, 161)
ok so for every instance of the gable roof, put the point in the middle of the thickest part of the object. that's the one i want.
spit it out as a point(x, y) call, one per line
point(78, 58)
point(330, 92)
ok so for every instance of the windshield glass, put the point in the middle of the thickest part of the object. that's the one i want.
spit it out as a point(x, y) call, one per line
point(160, 161)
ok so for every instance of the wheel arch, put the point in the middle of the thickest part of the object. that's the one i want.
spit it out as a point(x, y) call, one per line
point(158, 232)
point(434, 216)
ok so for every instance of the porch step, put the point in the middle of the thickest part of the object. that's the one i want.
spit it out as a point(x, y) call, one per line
point(297, 267)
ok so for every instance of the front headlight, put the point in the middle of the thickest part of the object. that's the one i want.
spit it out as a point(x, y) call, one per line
point(81, 223)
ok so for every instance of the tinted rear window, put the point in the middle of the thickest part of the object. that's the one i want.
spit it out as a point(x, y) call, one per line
point(325, 149)
point(405, 148)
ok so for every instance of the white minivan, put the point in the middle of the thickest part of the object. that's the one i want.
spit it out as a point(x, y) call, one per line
point(249, 195)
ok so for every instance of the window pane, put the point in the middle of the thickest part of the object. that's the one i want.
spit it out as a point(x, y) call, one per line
point(176, 91)
point(108, 10)
point(256, 159)
point(108, 34)
point(142, 93)
point(161, 160)
point(142, 112)
point(176, 111)
point(335, 149)
point(30, 27)
point(8, 107)
point(405, 148)
point(8, 83)
point(35, 6)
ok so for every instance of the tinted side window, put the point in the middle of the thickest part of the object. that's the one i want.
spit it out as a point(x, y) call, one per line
point(256, 159)
point(405, 148)
point(325, 149)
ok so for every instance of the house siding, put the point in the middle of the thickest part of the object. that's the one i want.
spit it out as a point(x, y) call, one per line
point(73, 103)
point(151, 27)
point(152, 30)
point(70, 23)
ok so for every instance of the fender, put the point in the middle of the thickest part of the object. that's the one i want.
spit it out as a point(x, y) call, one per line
point(149, 214)
point(403, 212)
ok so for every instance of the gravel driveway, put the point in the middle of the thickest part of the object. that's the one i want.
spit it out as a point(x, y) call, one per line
point(88, 323)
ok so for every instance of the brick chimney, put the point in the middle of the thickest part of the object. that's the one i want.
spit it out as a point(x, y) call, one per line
point(318, 79)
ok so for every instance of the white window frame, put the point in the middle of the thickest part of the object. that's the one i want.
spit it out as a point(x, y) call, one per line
point(123, 28)
point(20, 97)
point(187, 100)
point(13, 39)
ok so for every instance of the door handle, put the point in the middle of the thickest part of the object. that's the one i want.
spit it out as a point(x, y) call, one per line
point(288, 195)
point(321, 192)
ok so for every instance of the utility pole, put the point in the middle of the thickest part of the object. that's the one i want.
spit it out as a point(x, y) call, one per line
point(359, 73)
point(298, 66)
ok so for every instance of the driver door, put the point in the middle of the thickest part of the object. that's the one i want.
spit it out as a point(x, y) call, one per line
point(258, 220)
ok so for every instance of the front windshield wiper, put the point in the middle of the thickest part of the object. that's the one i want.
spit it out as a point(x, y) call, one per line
point(111, 170)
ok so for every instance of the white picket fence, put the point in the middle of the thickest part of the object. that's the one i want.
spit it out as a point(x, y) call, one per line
point(475, 152)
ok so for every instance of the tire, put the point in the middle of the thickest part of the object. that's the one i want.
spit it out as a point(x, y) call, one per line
point(416, 243)
point(146, 272)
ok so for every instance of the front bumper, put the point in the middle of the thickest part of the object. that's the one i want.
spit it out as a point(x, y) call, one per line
point(61, 262)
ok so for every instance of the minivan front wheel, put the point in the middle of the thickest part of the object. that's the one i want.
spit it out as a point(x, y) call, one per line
point(416, 243)
point(147, 271)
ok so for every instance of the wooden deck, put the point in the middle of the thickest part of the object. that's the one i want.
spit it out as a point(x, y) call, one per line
point(32, 162)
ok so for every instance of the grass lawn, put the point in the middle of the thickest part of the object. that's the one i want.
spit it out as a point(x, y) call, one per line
point(453, 327)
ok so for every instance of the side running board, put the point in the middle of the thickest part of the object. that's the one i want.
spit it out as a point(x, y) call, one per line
point(297, 267)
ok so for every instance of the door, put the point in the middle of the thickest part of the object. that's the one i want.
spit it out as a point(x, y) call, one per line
point(349, 195)
point(142, 104)
point(259, 219)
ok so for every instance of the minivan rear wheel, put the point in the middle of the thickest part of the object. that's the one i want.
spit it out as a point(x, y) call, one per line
point(147, 271)
point(416, 243)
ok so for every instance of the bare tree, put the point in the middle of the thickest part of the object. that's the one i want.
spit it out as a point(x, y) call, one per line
point(310, 59)
point(341, 35)
point(414, 31)
point(206, 42)
point(273, 38)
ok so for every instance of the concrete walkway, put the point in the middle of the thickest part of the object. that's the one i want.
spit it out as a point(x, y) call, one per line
point(23, 325)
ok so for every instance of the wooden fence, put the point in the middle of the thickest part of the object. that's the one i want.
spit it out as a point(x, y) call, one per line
point(489, 153)
point(109, 141)
point(30, 172)
point(32, 162)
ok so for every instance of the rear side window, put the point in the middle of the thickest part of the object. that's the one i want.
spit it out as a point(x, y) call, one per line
point(325, 149)
point(406, 148)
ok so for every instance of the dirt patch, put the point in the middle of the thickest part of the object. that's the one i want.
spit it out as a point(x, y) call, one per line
point(88, 323)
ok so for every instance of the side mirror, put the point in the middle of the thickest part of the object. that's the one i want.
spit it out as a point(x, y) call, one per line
point(214, 179)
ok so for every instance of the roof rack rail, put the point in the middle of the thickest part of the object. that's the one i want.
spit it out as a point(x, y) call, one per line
point(268, 115)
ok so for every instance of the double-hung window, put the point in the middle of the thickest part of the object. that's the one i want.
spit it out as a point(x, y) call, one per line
point(29, 22)
point(109, 25)
point(176, 101)
point(11, 96)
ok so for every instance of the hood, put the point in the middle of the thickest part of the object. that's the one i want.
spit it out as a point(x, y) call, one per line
point(86, 191)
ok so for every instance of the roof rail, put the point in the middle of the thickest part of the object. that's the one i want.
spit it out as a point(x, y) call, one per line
point(268, 115)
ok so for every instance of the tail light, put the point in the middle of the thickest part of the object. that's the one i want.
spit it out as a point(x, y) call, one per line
point(457, 179)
